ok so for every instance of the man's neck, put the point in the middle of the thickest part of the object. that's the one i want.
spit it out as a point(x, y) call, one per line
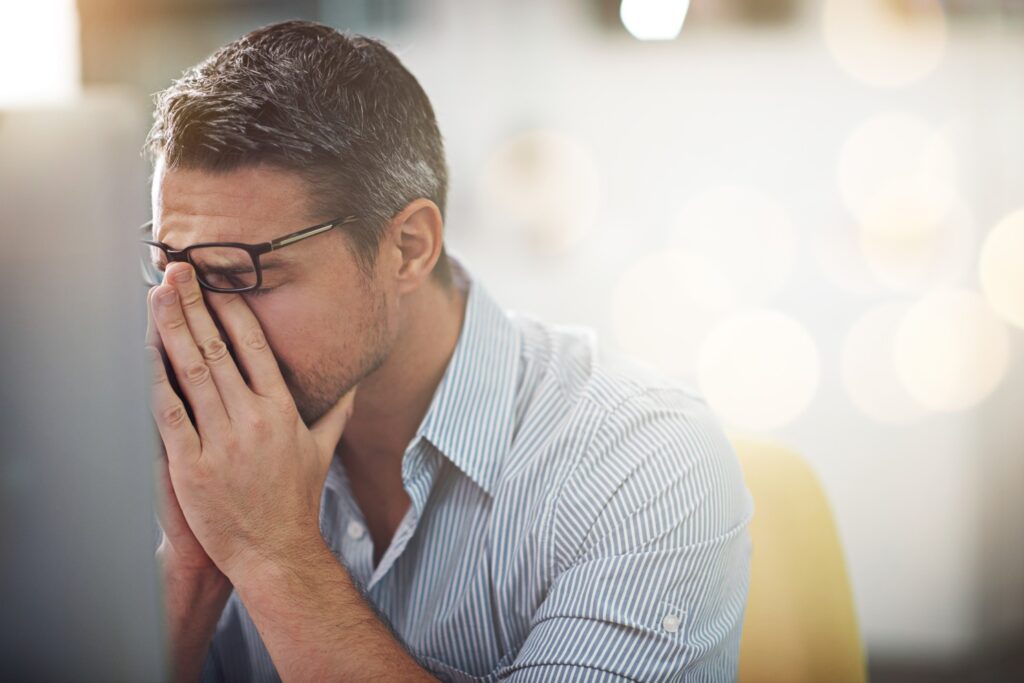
point(392, 401)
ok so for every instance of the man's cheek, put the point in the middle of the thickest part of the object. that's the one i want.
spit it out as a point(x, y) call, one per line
point(281, 343)
point(286, 324)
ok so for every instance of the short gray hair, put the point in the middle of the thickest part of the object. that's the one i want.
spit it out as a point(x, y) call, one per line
point(338, 108)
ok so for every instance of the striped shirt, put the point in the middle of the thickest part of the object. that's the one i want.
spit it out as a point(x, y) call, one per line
point(570, 521)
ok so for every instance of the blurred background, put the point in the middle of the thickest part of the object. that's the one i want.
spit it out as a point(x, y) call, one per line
point(813, 210)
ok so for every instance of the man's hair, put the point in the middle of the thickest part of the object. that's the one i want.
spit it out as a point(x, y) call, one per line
point(337, 108)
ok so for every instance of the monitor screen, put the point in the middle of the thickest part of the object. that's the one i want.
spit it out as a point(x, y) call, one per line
point(80, 590)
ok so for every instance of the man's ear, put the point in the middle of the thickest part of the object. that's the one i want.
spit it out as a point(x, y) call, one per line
point(418, 234)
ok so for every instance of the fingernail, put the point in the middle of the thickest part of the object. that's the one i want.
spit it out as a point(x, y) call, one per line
point(167, 296)
point(183, 275)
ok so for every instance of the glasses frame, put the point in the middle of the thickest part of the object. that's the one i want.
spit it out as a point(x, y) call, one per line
point(254, 250)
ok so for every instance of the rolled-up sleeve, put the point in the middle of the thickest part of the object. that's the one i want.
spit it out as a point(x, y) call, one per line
point(654, 555)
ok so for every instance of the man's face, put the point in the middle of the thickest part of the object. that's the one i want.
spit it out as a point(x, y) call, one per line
point(328, 324)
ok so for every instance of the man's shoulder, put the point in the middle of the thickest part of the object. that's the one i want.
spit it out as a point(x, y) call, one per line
point(574, 362)
point(612, 406)
point(635, 446)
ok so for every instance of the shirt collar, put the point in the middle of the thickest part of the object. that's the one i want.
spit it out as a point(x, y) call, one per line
point(470, 419)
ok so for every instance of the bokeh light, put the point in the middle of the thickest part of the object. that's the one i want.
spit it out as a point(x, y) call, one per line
point(887, 43)
point(836, 248)
point(759, 369)
point(951, 350)
point(1001, 268)
point(544, 184)
point(653, 19)
point(39, 57)
point(868, 367)
point(898, 174)
point(745, 236)
point(915, 261)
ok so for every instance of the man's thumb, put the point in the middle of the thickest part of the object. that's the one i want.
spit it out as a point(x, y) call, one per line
point(327, 430)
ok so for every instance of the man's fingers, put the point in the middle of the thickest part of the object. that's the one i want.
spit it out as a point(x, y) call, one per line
point(191, 369)
point(152, 336)
point(250, 344)
point(172, 420)
point(230, 384)
point(158, 366)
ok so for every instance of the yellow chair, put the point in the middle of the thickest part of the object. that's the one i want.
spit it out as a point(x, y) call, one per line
point(800, 625)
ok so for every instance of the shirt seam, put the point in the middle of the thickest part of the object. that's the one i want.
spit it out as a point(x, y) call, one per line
point(523, 667)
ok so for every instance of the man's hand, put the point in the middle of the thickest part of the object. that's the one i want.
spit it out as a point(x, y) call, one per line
point(179, 550)
point(248, 475)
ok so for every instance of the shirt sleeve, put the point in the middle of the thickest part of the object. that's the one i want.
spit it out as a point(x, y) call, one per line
point(652, 532)
point(228, 629)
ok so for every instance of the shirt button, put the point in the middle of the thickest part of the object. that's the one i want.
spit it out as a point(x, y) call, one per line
point(670, 623)
point(355, 530)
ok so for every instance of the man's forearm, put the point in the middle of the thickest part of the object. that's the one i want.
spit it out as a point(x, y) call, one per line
point(193, 603)
point(317, 625)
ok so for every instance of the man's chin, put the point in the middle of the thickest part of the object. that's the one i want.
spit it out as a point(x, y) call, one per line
point(311, 410)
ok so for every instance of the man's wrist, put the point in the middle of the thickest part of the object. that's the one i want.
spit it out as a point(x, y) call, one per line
point(194, 598)
point(199, 584)
point(269, 566)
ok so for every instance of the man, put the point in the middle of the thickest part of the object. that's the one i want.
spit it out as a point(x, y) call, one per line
point(377, 474)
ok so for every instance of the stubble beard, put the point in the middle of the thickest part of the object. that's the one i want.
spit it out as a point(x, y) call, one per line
point(318, 389)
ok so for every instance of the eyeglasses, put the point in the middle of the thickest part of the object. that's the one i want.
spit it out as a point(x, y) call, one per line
point(221, 266)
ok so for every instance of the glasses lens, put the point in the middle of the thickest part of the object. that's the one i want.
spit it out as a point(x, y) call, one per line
point(152, 260)
point(224, 267)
